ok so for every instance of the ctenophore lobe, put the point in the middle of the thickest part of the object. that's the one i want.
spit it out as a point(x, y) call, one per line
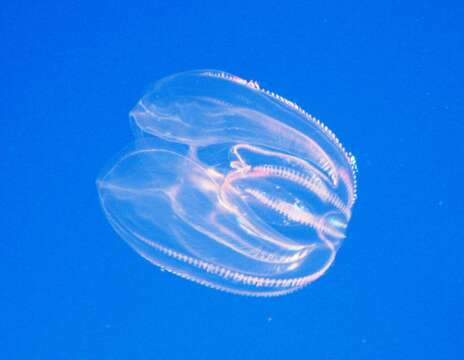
point(230, 185)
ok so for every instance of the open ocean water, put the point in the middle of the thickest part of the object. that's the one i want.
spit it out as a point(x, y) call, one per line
point(386, 77)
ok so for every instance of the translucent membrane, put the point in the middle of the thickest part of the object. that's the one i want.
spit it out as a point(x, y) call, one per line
point(230, 186)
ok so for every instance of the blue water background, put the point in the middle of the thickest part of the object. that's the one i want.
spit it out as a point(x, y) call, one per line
point(386, 77)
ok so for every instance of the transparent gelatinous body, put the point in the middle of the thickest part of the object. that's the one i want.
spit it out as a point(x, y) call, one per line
point(230, 186)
